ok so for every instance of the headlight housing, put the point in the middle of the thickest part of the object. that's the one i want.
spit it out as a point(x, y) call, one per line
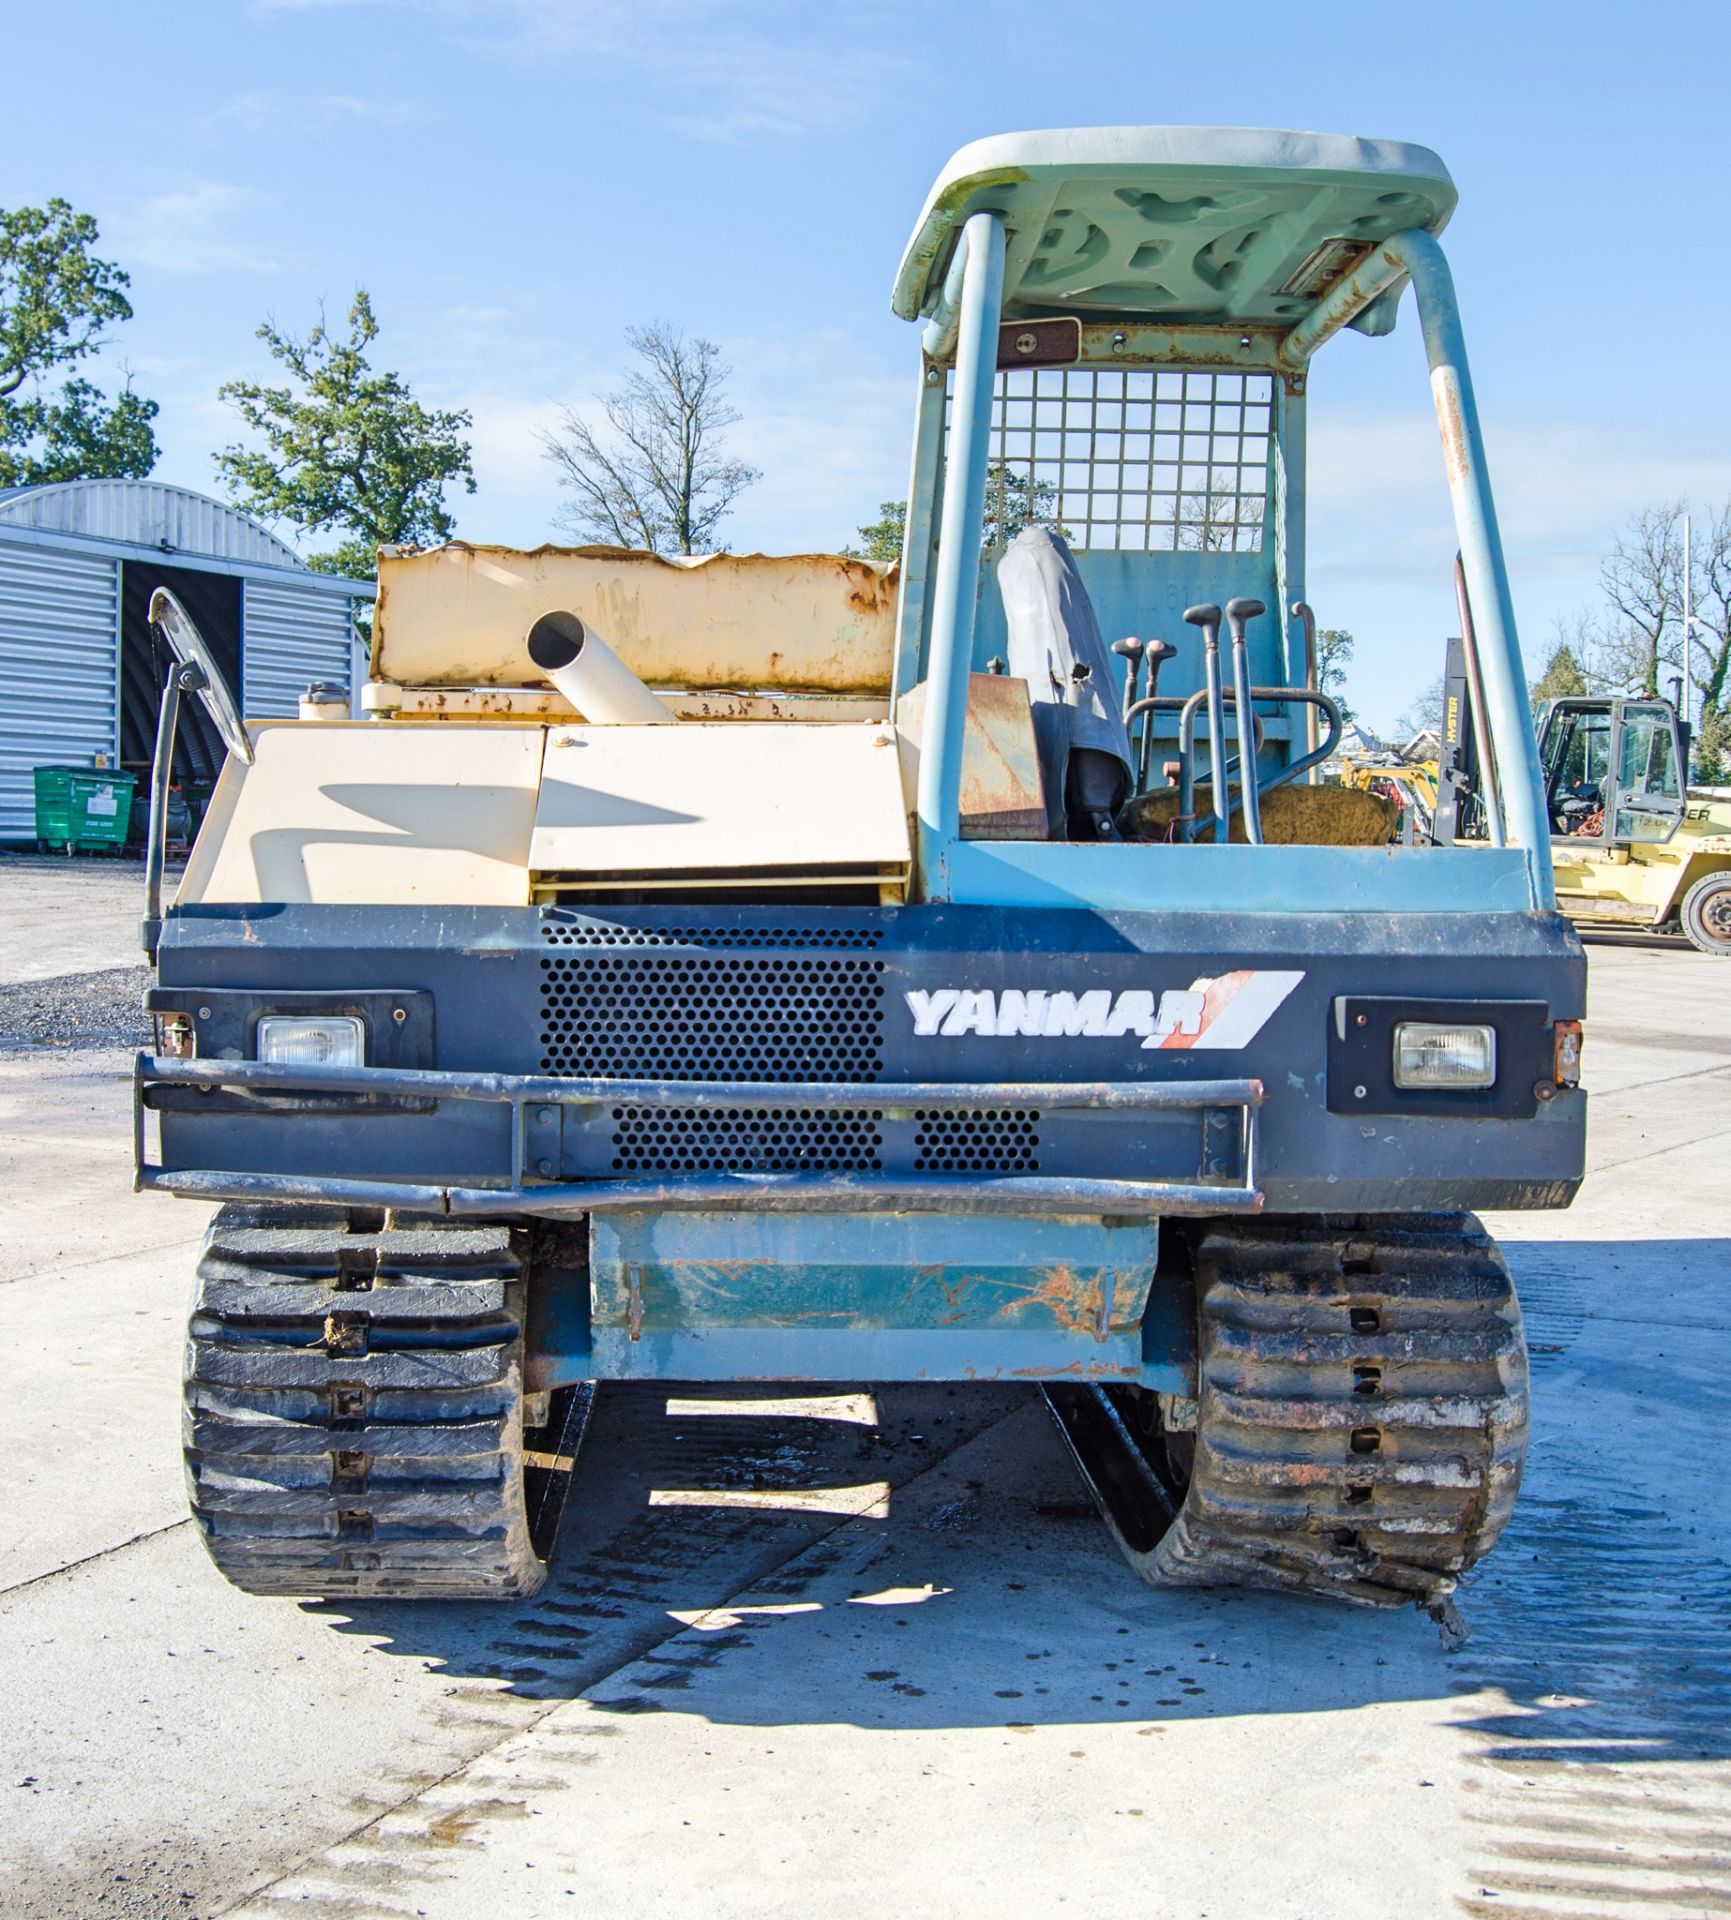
point(312, 1040)
point(1432, 1053)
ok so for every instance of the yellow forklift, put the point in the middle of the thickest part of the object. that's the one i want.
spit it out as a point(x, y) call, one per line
point(1630, 844)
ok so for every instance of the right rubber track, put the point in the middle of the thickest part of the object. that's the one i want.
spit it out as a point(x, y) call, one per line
point(1362, 1414)
point(354, 1406)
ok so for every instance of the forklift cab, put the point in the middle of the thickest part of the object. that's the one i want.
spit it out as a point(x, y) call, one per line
point(1613, 771)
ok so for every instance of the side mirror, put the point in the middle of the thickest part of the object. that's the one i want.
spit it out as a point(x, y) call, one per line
point(194, 671)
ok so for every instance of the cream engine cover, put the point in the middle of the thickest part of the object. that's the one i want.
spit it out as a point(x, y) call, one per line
point(362, 813)
point(727, 802)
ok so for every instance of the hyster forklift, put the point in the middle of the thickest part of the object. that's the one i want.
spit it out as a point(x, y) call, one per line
point(759, 969)
point(1631, 845)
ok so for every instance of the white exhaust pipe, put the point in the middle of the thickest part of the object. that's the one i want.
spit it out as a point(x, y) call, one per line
point(591, 675)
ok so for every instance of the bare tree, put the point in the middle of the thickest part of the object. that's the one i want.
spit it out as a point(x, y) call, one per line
point(655, 477)
point(1710, 651)
point(1643, 580)
point(1425, 712)
point(1213, 522)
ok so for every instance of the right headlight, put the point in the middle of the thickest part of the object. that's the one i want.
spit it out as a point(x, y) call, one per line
point(1429, 1053)
point(312, 1040)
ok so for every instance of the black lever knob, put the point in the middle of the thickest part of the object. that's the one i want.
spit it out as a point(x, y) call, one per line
point(1241, 610)
point(1204, 615)
point(1129, 648)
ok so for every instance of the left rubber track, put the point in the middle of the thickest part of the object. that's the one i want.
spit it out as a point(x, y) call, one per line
point(354, 1407)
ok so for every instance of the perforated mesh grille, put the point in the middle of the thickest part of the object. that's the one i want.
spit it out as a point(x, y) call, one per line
point(671, 1016)
point(746, 1140)
point(563, 933)
point(976, 1140)
point(1131, 458)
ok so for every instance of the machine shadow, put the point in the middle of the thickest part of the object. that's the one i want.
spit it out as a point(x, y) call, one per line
point(983, 1591)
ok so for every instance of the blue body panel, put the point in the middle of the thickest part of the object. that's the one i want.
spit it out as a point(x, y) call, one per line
point(805, 1025)
point(709, 1296)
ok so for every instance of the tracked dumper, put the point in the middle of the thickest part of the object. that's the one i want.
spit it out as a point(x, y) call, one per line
point(793, 969)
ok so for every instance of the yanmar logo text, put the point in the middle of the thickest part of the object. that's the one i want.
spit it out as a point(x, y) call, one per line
point(1226, 1012)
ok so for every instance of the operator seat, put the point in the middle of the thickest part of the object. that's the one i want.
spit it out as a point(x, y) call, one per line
point(1054, 644)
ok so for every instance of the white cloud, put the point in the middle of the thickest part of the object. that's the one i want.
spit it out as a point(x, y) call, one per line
point(832, 441)
point(1563, 488)
point(1382, 538)
point(261, 110)
point(515, 497)
point(186, 231)
point(716, 80)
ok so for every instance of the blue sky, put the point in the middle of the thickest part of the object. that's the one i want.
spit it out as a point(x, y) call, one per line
point(516, 181)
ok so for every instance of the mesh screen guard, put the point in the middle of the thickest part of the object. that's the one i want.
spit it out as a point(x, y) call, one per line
point(1134, 459)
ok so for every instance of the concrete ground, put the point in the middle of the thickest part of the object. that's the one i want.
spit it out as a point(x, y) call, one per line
point(872, 1650)
point(69, 915)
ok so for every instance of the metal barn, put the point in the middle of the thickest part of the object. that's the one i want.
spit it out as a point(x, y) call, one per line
point(80, 672)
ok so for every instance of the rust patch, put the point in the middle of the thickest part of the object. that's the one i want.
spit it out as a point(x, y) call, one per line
point(1076, 1305)
point(1451, 422)
point(1077, 1370)
point(457, 614)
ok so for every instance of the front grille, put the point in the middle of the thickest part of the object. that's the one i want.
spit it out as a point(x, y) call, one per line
point(976, 1140)
point(688, 1016)
point(567, 931)
point(747, 1140)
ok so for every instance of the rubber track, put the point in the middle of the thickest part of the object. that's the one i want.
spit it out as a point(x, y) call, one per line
point(1362, 1421)
point(354, 1414)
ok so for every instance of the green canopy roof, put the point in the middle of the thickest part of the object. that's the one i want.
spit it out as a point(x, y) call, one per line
point(1184, 226)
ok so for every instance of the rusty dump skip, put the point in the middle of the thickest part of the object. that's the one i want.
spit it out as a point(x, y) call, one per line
point(456, 616)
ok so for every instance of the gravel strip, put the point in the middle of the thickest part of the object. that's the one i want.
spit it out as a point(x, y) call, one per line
point(76, 1010)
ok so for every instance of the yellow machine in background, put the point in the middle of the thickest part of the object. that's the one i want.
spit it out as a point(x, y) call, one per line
point(1630, 845)
point(1411, 785)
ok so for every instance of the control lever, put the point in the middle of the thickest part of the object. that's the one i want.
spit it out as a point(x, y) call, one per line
point(1155, 653)
point(1130, 649)
point(1206, 615)
point(1302, 613)
point(1139, 713)
point(1237, 613)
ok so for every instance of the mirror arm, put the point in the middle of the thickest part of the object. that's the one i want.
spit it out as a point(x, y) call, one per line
point(183, 678)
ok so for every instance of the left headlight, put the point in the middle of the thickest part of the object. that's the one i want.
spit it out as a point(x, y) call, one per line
point(1429, 1053)
point(323, 1040)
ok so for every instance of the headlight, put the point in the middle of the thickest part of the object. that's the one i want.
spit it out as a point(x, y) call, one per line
point(1430, 1054)
point(326, 1040)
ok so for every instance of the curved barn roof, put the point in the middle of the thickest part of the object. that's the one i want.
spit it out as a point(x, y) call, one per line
point(146, 513)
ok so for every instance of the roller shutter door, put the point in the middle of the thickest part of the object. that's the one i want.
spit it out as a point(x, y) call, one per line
point(292, 636)
point(59, 671)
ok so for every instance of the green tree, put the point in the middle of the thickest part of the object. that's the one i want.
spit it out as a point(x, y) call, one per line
point(1712, 749)
point(881, 539)
point(346, 448)
point(1563, 676)
point(1334, 648)
point(1013, 501)
point(57, 298)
